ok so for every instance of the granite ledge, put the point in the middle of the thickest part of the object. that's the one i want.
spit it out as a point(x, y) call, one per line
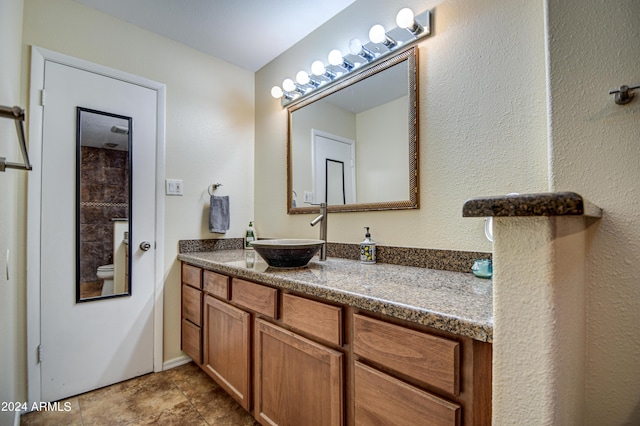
point(455, 302)
point(541, 204)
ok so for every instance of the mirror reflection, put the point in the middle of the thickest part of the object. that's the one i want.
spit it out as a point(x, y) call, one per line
point(103, 142)
point(354, 145)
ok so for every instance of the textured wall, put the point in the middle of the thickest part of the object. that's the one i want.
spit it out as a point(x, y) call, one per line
point(539, 327)
point(594, 46)
point(482, 120)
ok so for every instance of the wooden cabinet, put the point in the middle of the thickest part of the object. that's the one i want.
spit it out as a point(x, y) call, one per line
point(406, 376)
point(191, 308)
point(298, 381)
point(291, 360)
point(430, 359)
point(385, 400)
point(227, 348)
point(318, 319)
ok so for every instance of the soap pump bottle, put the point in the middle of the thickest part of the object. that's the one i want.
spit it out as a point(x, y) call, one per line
point(367, 249)
point(250, 235)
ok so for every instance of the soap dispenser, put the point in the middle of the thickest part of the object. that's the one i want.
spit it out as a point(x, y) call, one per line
point(367, 249)
point(249, 236)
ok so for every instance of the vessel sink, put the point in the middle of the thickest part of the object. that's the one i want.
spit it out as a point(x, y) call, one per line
point(287, 253)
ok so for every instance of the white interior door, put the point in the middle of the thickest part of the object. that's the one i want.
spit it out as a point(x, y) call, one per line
point(334, 175)
point(88, 345)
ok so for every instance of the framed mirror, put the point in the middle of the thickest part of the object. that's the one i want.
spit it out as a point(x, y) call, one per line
point(354, 144)
point(103, 202)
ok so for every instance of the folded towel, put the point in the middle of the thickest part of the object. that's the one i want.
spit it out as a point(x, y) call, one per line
point(219, 214)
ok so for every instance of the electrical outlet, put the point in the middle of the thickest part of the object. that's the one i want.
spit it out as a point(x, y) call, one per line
point(308, 197)
point(173, 186)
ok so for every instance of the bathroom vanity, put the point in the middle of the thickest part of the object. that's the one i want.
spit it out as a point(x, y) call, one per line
point(339, 342)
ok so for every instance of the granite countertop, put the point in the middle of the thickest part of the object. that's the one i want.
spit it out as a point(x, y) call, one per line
point(456, 302)
point(542, 204)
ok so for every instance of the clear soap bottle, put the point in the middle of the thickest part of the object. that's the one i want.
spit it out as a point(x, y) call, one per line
point(367, 249)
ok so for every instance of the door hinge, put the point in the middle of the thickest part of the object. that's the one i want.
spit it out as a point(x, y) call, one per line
point(40, 356)
point(42, 97)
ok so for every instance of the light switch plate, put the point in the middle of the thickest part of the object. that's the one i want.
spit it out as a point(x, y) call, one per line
point(173, 186)
point(308, 197)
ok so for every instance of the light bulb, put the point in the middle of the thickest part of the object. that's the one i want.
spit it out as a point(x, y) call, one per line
point(276, 92)
point(317, 68)
point(355, 46)
point(405, 18)
point(377, 34)
point(302, 77)
point(288, 85)
point(335, 57)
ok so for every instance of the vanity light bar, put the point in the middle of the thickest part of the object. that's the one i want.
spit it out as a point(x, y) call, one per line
point(410, 29)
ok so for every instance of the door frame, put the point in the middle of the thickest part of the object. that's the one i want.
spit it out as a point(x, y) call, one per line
point(39, 56)
point(315, 181)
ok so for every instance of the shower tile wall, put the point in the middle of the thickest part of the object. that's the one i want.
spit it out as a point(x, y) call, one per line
point(104, 196)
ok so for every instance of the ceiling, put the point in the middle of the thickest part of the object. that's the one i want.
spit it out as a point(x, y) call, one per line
point(247, 33)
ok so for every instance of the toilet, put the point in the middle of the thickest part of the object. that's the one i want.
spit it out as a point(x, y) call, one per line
point(105, 273)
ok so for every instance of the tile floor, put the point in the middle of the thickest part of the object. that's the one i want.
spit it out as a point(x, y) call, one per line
point(181, 396)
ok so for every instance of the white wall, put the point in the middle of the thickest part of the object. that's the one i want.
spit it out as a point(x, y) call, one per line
point(320, 116)
point(594, 46)
point(382, 157)
point(12, 309)
point(209, 123)
point(482, 122)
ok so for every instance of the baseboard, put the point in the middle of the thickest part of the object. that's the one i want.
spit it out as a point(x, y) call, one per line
point(176, 362)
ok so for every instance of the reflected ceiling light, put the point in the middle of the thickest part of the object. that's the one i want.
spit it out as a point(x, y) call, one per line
point(120, 129)
point(406, 19)
point(377, 34)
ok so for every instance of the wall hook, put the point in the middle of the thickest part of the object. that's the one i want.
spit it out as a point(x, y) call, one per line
point(213, 187)
point(623, 94)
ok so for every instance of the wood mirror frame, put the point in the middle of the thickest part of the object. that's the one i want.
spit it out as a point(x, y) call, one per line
point(410, 55)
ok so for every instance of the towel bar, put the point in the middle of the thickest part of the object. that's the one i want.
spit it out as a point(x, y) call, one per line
point(17, 114)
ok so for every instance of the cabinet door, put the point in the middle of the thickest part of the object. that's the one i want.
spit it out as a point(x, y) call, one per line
point(384, 400)
point(298, 382)
point(227, 332)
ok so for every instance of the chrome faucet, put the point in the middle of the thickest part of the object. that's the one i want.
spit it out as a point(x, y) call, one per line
point(323, 229)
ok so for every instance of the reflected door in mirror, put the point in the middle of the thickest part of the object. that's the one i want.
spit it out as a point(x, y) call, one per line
point(333, 173)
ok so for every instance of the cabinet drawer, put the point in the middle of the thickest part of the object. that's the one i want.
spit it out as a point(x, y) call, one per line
point(318, 319)
point(216, 284)
point(192, 275)
point(256, 297)
point(427, 358)
point(191, 341)
point(382, 399)
point(192, 304)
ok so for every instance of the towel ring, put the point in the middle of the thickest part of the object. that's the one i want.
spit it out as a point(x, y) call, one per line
point(213, 187)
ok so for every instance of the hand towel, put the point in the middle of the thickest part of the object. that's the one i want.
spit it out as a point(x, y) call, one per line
point(219, 214)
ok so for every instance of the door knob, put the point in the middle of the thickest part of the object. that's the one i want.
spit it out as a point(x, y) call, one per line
point(145, 245)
